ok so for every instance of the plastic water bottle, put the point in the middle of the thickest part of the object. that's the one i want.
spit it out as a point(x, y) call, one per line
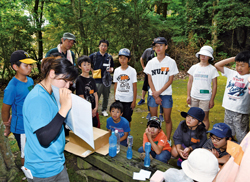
point(112, 145)
point(130, 144)
point(118, 141)
point(147, 149)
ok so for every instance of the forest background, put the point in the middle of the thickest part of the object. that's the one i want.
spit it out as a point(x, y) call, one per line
point(36, 26)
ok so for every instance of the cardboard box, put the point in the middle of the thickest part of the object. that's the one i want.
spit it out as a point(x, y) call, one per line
point(79, 147)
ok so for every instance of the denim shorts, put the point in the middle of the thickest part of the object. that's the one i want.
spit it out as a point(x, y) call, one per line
point(167, 101)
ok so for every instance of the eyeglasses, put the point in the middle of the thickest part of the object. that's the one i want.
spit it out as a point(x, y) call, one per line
point(215, 139)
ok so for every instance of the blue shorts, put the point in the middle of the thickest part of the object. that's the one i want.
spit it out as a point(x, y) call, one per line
point(167, 101)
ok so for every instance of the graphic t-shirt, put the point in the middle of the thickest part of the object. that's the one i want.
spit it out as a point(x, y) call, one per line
point(87, 88)
point(14, 95)
point(236, 97)
point(160, 73)
point(161, 139)
point(202, 78)
point(124, 80)
point(122, 126)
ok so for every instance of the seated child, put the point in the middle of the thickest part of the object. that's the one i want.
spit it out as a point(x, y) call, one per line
point(201, 165)
point(160, 148)
point(116, 121)
point(217, 143)
point(190, 134)
point(86, 86)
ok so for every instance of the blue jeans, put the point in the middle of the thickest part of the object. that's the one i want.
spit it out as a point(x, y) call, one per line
point(167, 101)
point(164, 156)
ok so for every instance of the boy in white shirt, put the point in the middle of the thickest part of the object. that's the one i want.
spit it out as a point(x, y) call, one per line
point(161, 71)
point(125, 88)
point(236, 100)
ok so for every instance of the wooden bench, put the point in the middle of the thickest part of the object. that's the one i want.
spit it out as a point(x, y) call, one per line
point(122, 168)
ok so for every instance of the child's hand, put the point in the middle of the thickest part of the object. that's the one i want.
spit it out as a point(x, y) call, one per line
point(211, 104)
point(187, 150)
point(132, 105)
point(94, 112)
point(156, 94)
point(148, 133)
point(183, 154)
point(215, 152)
point(188, 100)
point(158, 101)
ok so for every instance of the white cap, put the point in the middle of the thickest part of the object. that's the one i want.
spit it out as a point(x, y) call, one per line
point(201, 165)
point(206, 51)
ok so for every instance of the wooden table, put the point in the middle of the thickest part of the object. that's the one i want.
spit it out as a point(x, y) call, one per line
point(122, 168)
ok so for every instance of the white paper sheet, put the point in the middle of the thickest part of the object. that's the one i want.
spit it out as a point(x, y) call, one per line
point(79, 118)
point(138, 176)
point(145, 173)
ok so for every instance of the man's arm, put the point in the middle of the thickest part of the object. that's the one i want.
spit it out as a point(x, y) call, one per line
point(142, 63)
point(220, 65)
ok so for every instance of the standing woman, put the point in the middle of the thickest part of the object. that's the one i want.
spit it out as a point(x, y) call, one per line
point(43, 121)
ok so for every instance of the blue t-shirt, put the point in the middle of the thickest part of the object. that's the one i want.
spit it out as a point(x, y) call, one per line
point(38, 110)
point(122, 126)
point(14, 95)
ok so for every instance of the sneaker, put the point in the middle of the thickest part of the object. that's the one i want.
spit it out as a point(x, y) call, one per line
point(161, 117)
point(143, 154)
point(104, 113)
point(179, 161)
point(170, 142)
point(148, 116)
point(142, 101)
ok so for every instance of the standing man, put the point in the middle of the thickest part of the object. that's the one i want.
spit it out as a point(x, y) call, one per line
point(102, 61)
point(67, 41)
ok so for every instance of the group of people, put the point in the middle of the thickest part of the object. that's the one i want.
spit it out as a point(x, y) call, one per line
point(37, 122)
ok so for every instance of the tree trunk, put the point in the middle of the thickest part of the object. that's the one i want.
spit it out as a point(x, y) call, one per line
point(214, 26)
point(8, 169)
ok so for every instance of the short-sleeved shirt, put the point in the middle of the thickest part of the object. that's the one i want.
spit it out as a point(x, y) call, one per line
point(161, 139)
point(87, 88)
point(54, 50)
point(122, 126)
point(189, 138)
point(124, 79)
point(236, 97)
point(14, 95)
point(209, 145)
point(146, 54)
point(202, 78)
point(101, 62)
point(160, 73)
point(39, 109)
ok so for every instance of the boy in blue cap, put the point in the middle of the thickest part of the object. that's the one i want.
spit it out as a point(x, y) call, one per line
point(217, 143)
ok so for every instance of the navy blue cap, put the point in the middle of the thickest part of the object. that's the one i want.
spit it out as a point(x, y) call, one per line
point(195, 112)
point(124, 52)
point(221, 130)
point(160, 40)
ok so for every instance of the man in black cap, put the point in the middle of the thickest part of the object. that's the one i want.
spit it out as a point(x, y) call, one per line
point(67, 41)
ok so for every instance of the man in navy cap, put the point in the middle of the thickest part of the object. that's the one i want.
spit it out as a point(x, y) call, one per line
point(67, 41)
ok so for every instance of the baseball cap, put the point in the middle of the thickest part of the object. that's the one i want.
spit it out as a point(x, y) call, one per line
point(124, 52)
point(160, 40)
point(154, 121)
point(22, 56)
point(201, 165)
point(195, 112)
point(206, 51)
point(221, 130)
point(69, 36)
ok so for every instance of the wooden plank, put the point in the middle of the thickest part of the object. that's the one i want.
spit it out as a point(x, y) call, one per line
point(122, 168)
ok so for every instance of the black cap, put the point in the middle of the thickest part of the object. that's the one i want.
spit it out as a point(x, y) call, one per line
point(160, 40)
point(22, 56)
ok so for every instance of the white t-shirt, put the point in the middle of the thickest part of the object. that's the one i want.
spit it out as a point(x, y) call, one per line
point(202, 78)
point(125, 80)
point(160, 73)
point(236, 97)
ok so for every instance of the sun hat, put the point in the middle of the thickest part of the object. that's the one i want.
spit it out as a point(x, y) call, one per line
point(206, 51)
point(22, 56)
point(195, 112)
point(160, 40)
point(154, 121)
point(221, 130)
point(124, 52)
point(201, 165)
point(69, 36)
